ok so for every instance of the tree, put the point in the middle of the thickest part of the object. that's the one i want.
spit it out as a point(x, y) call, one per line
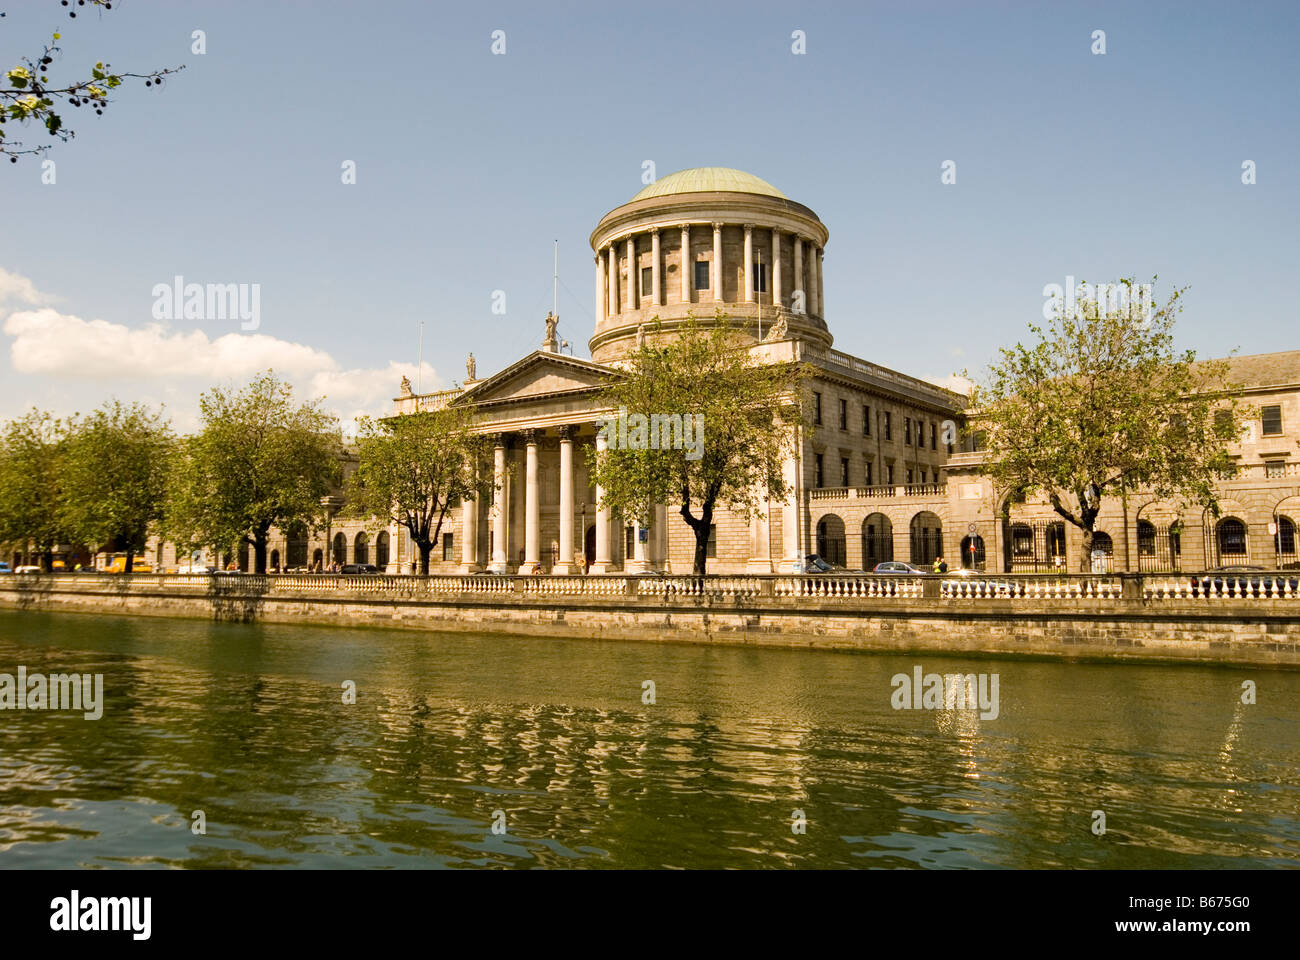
point(260, 461)
point(412, 468)
point(32, 450)
point(114, 477)
point(29, 97)
point(1103, 405)
point(751, 410)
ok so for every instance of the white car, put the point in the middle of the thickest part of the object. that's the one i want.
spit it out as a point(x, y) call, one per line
point(27, 569)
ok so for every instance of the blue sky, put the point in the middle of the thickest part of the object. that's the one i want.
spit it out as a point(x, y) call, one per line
point(469, 166)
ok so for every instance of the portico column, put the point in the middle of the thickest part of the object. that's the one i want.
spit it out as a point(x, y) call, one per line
point(565, 565)
point(798, 272)
point(600, 287)
point(717, 261)
point(688, 266)
point(612, 285)
point(791, 527)
point(654, 267)
point(659, 557)
point(633, 284)
point(776, 268)
point(500, 513)
point(749, 263)
point(760, 550)
point(532, 506)
point(813, 298)
point(639, 561)
point(469, 537)
point(821, 287)
point(601, 563)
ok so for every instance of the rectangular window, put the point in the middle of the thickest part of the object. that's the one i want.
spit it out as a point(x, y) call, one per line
point(867, 479)
point(844, 414)
point(647, 281)
point(889, 426)
point(448, 550)
point(701, 274)
point(817, 408)
point(1274, 469)
point(817, 470)
point(934, 436)
point(889, 474)
point(1272, 420)
point(907, 431)
point(760, 278)
point(909, 476)
point(629, 542)
point(844, 471)
point(866, 420)
point(712, 549)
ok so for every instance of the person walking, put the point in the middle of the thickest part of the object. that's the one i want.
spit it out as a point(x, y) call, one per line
point(939, 565)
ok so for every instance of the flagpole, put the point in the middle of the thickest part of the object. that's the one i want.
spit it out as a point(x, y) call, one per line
point(419, 359)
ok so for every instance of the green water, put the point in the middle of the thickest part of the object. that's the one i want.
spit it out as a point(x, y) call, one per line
point(247, 724)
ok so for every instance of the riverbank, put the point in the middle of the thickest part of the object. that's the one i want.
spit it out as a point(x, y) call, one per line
point(1121, 617)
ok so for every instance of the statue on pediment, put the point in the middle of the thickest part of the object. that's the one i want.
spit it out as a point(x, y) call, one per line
point(406, 386)
point(471, 367)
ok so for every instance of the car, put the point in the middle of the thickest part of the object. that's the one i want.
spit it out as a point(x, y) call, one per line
point(354, 569)
point(27, 568)
point(4, 567)
point(1242, 580)
point(898, 566)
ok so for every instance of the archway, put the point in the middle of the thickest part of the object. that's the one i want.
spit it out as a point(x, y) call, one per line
point(830, 539)
point(972, 552)
point(1284, 543)
point(296, 546)
point(275, 561)
point(318, 560)
point(1231, 542)
point(927, 538)
point(1103, 553)
point(339, 552)
point(589, 548)
point(381, 550)
point(361, 548)
point(877, 540)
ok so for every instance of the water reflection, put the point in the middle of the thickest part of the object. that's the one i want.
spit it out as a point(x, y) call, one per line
point(247, 724)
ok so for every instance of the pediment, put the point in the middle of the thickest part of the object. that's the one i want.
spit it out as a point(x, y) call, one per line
point(539, 374)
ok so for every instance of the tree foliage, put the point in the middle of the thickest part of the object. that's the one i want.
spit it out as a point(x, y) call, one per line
point(32, 450)
point(750, 411)
point(30, 97)
point(260, 460)
point(1103, 404)
point(413, 468)
point(113, 480)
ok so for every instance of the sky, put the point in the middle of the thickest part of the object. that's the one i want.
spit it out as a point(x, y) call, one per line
point(470, 164)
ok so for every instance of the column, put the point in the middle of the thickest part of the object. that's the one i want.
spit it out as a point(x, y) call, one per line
point(532, 504)
point(654, 267)
point(717, 262)
point(749, 263)
point(612, 286)
point(565, 564)
point(500, 502)
point(821, 288)
point(600, 288)
point(791, 528)
point(633, 280)
point(688, 265)
point(659, 558)
point(798, 273)
point(776, 268)
point(468, 537)
point(601, 563)
point(639, 562)
point(760, 550)
point(813, 299)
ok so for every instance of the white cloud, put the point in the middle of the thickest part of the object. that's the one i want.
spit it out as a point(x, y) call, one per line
point(16, 288)
point(954, 382)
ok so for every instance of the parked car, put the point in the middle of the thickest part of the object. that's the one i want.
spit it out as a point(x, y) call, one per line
point(4, 567)
point(118, 565)
point(1242, 580)
point(358, 568)
point(898, 566)
point(27, 569)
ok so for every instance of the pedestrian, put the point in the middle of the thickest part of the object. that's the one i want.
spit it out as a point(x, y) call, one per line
point(940, 566)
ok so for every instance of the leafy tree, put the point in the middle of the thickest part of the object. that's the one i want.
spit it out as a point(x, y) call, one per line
point(412, 468)
point(114, 477)
point(32, 451)
point(28, 96)
point(260, 461)
point(1103, 404)
point(748, 414)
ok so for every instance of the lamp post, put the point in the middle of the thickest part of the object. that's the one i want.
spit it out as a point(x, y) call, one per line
point(332, 506)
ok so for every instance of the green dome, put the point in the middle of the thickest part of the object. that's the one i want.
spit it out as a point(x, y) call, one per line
point(709, 180)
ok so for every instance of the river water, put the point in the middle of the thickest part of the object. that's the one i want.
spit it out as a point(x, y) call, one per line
point(454, 738)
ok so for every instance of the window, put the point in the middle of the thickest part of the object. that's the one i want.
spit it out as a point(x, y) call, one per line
point(1222, 421)
point(844, 471)
point(889, 474)
point(909, 476)
point(712, 549)
point(760, 278)
point(1274, 469)
point(817, 408)
point(844, 414)
point(448, 548)
point(867, 479)
point(907, 431)
point(647, 281)
point(817, 467)
point(701, 274)
point(1271, 420)
point(866, 420)
point(934, 436)
point(889, 426)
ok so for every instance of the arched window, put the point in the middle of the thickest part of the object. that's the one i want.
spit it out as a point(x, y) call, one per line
point(877, 540)
point(361, 548)
point(275, 561)
point(927, 538)
point(1103, 553)
point(1285, 541)
point(381, 550)
point(1146, 533)
point(339, 552)
point(830, 539)
point(1022, 540)
point(1232, 540)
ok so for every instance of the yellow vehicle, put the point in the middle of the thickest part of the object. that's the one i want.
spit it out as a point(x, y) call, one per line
point(118, 565)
